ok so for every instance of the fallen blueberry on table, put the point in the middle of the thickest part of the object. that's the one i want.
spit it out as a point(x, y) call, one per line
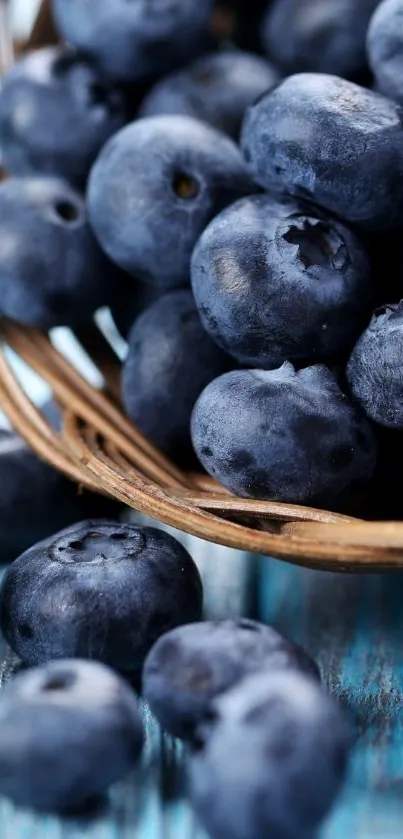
point(216, 88)
point(56, 113)
point(276, 279)
point(270, 760)
point(385, 48)
point(375, 367)
point(170, 360)
point(331, 141)
point(135, 40)
point(68, 730)
point(153, 189)
point(98, 590)
point(52, 271)
point(193, 664)
point(283, 434)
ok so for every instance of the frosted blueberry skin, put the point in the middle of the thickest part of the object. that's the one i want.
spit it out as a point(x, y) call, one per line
point(154, 188)
point(375, 367)
point(69, 729)
point(322, 138)
point(276, 279)
point(132, 41)
point(56, 113)
point(329, 37)
point(283, 435)
point(170, 360)
point(270, 760)
point(217, 89)
point(52, 271)
point(193, 664)
point(98, 590)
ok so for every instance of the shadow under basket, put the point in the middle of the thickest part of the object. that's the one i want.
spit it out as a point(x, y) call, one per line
point(99, 448)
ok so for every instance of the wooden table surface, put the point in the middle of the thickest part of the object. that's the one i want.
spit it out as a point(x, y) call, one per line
point(353, 625)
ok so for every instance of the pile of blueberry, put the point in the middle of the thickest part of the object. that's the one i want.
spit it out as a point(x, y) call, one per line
point(225, 176)
point(267, 747)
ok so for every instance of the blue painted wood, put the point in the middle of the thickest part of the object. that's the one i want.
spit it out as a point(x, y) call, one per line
point(353, 625)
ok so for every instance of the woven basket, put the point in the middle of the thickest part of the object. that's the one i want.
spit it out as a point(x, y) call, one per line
point(100, 449)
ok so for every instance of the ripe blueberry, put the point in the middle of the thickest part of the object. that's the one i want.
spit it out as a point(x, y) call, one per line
point(98, 590)
point(270, 760)
point(153, 189)
point(276, 279)
point(191, 665)
point(56, 113)
point(329, 140)
point(170, 360)
point(283, 435)
point(52, 271)
point(68, 730)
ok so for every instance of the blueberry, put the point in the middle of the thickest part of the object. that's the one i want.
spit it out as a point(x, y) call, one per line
point(68, 729)
point(325, 37)
point(130, 301)
point(56, 113)
point(217, 89)
point(153, 189)
point(52, 272)
point(170, 360)
point(375, 368)
point(283, 435)
point(271, 760)
point(279, 279)
point(37, 499)
point(98, 590)
point(190, 666)
point(385, 48)
point(329, 140)
point(134, 40)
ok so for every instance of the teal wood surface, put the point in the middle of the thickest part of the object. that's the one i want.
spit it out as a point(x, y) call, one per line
point(353, 625)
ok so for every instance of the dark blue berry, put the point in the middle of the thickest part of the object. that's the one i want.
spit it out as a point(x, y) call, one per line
point(67, 731)
point(385, 48)
point(323, 138)
point(56, 113)
point(279, 279)
point(98, 590)
point(52, 271)
point(218, 88)
point(37, 499)
point(375, 368)
point(191, 665)
point(326, 36)
point(138, 39)
point(153, 189)
point(270, 761)
point(283, 435)
point(170, 360)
